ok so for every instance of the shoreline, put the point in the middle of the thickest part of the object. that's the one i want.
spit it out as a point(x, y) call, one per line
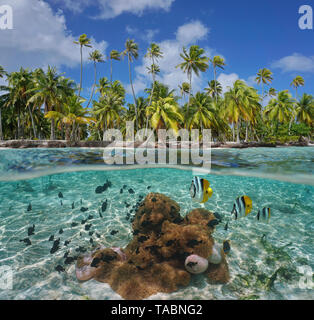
point(34, 144)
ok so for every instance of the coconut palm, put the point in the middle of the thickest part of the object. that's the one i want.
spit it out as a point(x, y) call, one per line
point(107, 111)
point(202, 112)
point(114, 55)
point(165, 113)
point(305, 109)
point(131, 51)
point(241, 102)
point(96, 57)
point(193, 61)
point(280, 109)
point(154, 53)
point(214, 89)
point(83, 41)
point(272, 92)
point(103, 86)
point(217, 62)
point(264, 77)
point(141, 112)
point(2, 72)
point(51, 91)
point(297, 82)
point(184, 89)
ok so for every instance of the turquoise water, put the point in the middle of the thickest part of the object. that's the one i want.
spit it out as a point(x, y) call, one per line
point(36, 177)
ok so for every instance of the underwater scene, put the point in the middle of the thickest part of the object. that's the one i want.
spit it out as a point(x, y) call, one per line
point(66, 217)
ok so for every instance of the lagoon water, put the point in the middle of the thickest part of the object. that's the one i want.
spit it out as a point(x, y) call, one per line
point(280, 178)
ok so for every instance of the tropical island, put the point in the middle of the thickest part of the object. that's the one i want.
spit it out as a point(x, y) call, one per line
point(37, 105)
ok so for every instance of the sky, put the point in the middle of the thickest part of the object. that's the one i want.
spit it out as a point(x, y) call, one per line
point(249, 34)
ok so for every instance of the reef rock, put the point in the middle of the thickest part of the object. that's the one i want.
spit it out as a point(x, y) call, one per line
point(162, 256)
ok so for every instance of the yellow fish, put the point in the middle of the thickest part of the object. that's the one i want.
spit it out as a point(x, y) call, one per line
point(200, 190)
point(242, 207)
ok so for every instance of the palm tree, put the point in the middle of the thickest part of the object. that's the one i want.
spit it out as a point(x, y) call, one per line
point(272, 92)
point(217, 62)
point(107, 111)
point(51, 91)
point(96, 57)
point(165, 113)
point(141, 112)
point(264, 76)
point(297, 82)
point(131, 51)
point(241, 102)
point(102, 86)
point(193, 61)
point(2, 72)
point(154, 53)
point(305, 109)
point(114, 55)
point(214, 89)
point(184, 89)
point(83, 41)
point(280, 109)
point(202, 112)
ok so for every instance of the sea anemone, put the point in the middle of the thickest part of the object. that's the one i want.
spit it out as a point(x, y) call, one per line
point(196, 264)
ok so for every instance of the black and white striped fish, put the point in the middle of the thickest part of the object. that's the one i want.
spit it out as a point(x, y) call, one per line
point(200, 191)
point(242, 207)
point(263, 215)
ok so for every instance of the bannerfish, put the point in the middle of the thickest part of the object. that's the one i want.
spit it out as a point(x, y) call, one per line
point(263, 215)
point(200, 191)
point(31, 230)
point(242, 207)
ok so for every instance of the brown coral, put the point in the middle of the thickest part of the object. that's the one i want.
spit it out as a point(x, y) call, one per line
point(156, 255)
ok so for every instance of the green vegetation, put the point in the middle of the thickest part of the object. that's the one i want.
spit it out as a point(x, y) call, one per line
point(38, 104)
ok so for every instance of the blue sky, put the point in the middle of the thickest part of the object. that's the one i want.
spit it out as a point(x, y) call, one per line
point(248, 34)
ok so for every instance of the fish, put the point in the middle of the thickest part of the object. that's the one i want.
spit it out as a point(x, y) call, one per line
point(99, 190)
point(84, 209)
point(98, 235)
point(61, 231)
point(27, 241)
point(100, 215)
point(124, 186)
point(104, 206)
point(59, 268)
point(69, 260)
point(91, 240)
point(226, 226)
point(131, 191)
point(61, 203)
point(31, 230)
point(90, 217)
point(52, 237)
point(73, 206)
point(66, 242)
point(218, 216)
point(74, 224)
point(121, 191)
point(60, 195)
point(113, 232)
point(242, 207)
point(263, 215)
point(55, 246)
point(91, 233)
point(200, 190)
point(226, 246)
point(149, 187)
point(29, 208)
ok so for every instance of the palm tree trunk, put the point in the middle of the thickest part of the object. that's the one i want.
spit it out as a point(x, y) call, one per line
point(111, 71)
point(215, 76)
point(18, 124)
point(233, 134)
point(238, 132)
point(246, 131)
point(33, 124)
point(150, 98)
point(1, 132)
point(81, 51)
point(190, 91)
point(95, 80)
point(135, 102)
point(52, 130)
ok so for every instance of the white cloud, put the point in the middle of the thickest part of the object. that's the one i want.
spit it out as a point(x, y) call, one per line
point(170, 75)
point(39, 38)
point(227, 80)
point(189, 32)
point(113, 8)
point(295, 63)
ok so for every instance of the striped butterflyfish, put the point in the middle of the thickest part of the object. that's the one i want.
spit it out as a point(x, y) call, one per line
point(263, 215)
point(242, 207)
point(200, 190)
